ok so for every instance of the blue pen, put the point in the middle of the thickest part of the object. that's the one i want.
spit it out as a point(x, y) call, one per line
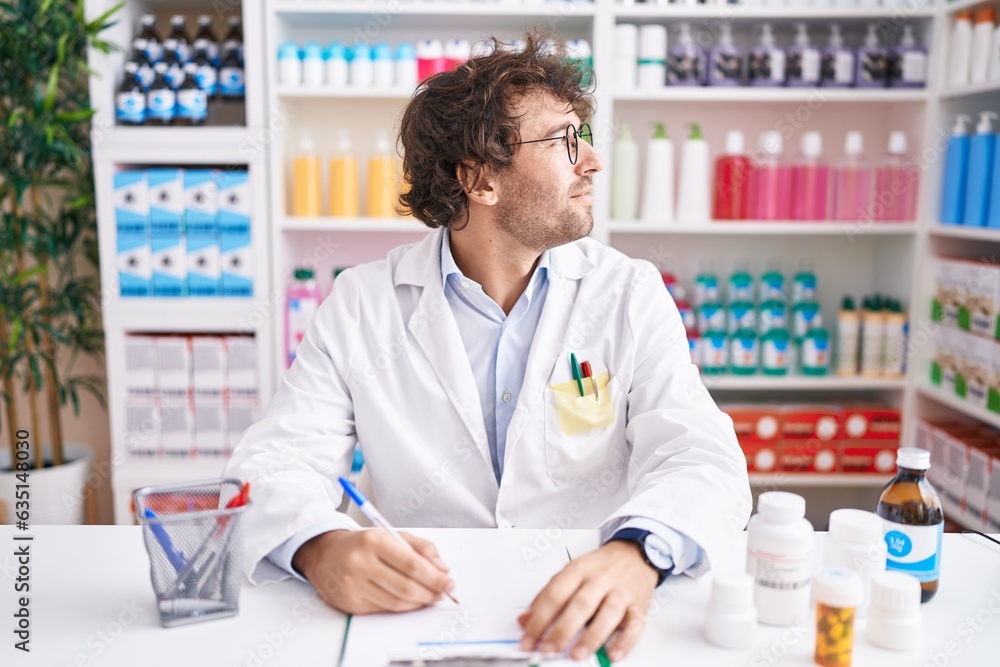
point(175, 557)
point(376, 517)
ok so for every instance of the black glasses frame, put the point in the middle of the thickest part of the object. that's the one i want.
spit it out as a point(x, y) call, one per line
point(572, 146)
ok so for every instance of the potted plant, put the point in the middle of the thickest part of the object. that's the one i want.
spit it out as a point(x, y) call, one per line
point(49, 288)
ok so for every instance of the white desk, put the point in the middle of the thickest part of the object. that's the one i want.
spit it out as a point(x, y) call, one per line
point(92, 604)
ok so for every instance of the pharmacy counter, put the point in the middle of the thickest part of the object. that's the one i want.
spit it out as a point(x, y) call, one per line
point(91, 603)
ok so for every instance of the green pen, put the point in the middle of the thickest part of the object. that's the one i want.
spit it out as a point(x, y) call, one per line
point(577, 373)
point(602, 653)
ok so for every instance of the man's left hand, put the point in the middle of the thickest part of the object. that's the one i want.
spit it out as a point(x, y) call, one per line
point(607, 590)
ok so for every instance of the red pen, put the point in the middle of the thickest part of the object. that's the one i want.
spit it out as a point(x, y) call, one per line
point(588, 372)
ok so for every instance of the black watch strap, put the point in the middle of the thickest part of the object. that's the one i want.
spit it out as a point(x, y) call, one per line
point(638, 535)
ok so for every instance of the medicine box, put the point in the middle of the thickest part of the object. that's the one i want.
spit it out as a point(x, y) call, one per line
point(131, 203)
point(135, 265)
point(140, 366)
point(947, 358)
point(209, 366)
point(237, 265)
point(234, 202)
point(810, 438)
point(948, 292)
point(993, 393)
point(177, 428)
point(210, 431)
point(242, 415)
point(166, 201)
point(142, 427)
point(242, 364)
point(975, 366)
point(870, 439)
point(956, 468)
point(169, 266)
point(982, 457)
point(204, 266)
point(980, 306)
point(758, 430)
point(201, 208)
point(174, 367)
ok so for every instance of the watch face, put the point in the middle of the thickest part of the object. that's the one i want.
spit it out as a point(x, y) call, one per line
point(658, 552)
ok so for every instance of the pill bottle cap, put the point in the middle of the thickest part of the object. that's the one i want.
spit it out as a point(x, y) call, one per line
point(913, 458)
point(894, 620)
point(838, 587)
point(731, 617)
point(857, 526)
point(781, 506)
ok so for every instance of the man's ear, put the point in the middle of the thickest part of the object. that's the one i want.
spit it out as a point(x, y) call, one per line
point(481, 186)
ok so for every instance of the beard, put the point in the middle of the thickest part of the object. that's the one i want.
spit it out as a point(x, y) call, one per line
point(537, 219)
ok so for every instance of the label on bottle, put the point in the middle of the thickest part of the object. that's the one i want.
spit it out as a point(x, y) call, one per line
point(130, 107)
point(804, 65)
point(815, 353)
point(683, 68)
point(914, 67)
point(915, 550)
point(743, 352)
point(781, 585)
point(772, 286)
point(713, 352)
point(145, 76)
point(207, 80)
point(192, 104)
point(742, 316)
point(706, 289)
point(804, 288)
point(843, 67)
point(775, 354)
point(175, 76)
point(160, 104)
point(154, 51)
point(231, 82)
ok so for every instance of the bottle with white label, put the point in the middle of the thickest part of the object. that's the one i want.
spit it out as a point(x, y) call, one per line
point(192, 102)
point(837, 64)
point(848, 338)
point(914, 521)
point(130, 101)
point(161, 98)
point(652, 66)
point(779, 558)
point(803, 63)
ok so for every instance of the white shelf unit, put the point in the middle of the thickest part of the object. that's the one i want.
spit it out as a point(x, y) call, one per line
point(119, 147)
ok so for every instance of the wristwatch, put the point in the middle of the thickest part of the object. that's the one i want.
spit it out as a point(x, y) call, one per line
point(654, 549)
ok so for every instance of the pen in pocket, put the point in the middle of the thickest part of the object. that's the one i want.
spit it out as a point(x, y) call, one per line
point(588, 372)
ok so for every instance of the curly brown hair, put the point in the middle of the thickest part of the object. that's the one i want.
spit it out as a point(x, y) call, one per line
point(466, 117)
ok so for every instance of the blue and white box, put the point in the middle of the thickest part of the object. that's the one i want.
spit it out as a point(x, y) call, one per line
point(237, 265)
point(132, 202)
point(201, 207)
point(204, 260)
point(166, 201)
point(169, 265)
point(135, 266)
point(234, 202)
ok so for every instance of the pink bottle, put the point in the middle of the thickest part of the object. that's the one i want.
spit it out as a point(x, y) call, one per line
point(302, 301)
point(430, 58)
point(852, 182)
point(810, 179)
point(772, 181)
point(896, 183)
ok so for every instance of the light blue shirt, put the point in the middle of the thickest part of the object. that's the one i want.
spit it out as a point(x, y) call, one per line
point(497, 345)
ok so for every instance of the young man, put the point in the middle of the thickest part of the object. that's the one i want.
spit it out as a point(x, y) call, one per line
point(449, 361)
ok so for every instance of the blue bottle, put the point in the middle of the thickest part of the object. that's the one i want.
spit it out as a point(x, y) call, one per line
point(982, 149)
point(956, 169)
point(993, 218)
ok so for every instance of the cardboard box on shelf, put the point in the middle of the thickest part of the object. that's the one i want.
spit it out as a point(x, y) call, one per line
point(956, 467)
point(177, 428)
point(208, 355)
point(810, 438)
point(166, 202)
point(758, 430)
point(142, 427)
point(132, 203)
point(975, 368)
point(135, 265)
point(242, 415)
point(980, 306)
point(204, 270)
point(242, 358)
point(201, 202)
point(140, 366)
point(948, 291)
point(210, 430)
point(870, 439)
point(169, 259)
point(993, 499)
point(173, 354)
point(947, 358)
point(993, 393)
point(983, 456)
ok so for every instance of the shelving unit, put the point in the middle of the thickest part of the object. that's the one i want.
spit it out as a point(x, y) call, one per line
point(855, 258)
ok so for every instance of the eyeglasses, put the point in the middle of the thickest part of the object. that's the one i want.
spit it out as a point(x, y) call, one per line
point(571, 137)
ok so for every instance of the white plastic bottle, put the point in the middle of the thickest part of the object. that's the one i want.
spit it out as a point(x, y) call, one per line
point(779, 558)
point(658, 184)
point(848, 338)
point(961, 50)
point(695, 190)
point(626, 55)
point(362, 71)
point(993, 71)
point(406, 67)
point(625, 177)
point(855, 542)
point(384, 69)
point(982, 35)
point(336, 65)
point(652, 66)
point(872, 339)
point(312, 65)
point(289, 65)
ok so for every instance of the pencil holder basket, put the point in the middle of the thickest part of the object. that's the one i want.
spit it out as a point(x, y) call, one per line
point(194, 544)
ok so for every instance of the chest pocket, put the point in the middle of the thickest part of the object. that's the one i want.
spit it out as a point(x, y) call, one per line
point(583, 434)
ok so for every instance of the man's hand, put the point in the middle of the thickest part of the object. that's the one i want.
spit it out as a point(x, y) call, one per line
point(366, 571)
point(606, 590)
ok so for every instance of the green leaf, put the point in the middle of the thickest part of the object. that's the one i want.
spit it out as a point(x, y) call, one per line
point(76, 401)
point(14, 116)
point(98, 24)
point(61, 49)
point(46, 4)
point(49, 134)
point(75, 116)
point(50, 90)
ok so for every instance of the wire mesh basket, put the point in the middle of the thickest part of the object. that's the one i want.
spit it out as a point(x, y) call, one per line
point(194, 542)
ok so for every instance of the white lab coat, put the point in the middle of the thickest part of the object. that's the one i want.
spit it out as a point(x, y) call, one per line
point(383, 364)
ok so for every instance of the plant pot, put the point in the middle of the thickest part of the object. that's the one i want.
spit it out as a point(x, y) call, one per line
point(56, 494)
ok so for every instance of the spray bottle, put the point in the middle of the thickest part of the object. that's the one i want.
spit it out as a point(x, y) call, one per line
point(956, 171)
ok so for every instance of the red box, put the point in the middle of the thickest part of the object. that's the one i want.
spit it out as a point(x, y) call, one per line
point(870, 439)
point(758, 428)
point(810, 438)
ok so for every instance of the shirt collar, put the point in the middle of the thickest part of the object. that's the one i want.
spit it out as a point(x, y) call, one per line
point(449, 267)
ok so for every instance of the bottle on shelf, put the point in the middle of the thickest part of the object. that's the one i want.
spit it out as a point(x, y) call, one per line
point(383, 67)
point(406, 67)
point(658, 185)
point(815, 356)
point(741, 285)
point(804, 284)
point(694, 191)
point(852, 181)
point(806, 316)
point(289, 65)
point(766, 65)
point(627, 56)
point(744, 352)
point(894, 347)
point(773, 314)
point(161, 99)
point(233, 40)
point(772, 282)
point(810, 178)
point(231, 84)
point(140, 56)
point(652, 67)
point(914, 521)
point(206, 39)
point(178, 33)
point(982, 36)
point(837, 64)
point(982, 154)
point(734, 173)
point(206, 77)
point(174, 62)
point(147, 31)
point(706, 285)
point(897, 180)
point(337, 67)
point(313, 65)
point(457, 51)
point(686, 63)
point(956, 172)
point(873, 62)
point(382, 180)
point(872, 337)
point(579, 54)
point(771, 192)
point(302, 301)
point(993, 70)
point(726, 60)
point(361, 73)
point(803, 60)
point(430, 58)
point(961, 49)
point(625, 177)
point(775, 352)
point(130, 100)
point(344, 179)
point(192, 102)
point(305, 179)
point(908, 62)
point(848, 338)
